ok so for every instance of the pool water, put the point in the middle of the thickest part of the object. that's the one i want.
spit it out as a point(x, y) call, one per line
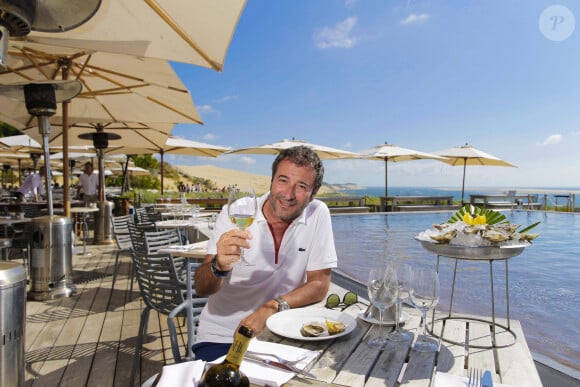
point(543, 281)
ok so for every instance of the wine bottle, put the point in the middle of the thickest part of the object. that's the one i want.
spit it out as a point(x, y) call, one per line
point(227, 373)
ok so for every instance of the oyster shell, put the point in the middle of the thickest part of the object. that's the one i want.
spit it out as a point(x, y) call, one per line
point(528, 237)
point(445, 237)
point(495, 236)
point(335, 327)
point(312, 329)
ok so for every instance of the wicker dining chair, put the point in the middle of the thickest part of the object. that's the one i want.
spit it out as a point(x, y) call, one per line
point(156, 240)
point(160, 291)
point(120, 228)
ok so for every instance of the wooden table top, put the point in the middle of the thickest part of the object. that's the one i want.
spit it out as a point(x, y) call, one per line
point(349, 361)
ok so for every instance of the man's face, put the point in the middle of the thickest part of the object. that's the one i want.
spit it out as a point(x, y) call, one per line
point(291, 190)
point(88, 169)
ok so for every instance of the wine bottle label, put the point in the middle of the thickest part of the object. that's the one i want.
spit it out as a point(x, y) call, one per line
point(238, 349)
point(239, 346)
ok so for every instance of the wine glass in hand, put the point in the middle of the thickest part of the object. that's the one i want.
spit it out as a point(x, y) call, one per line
point(382, 289)
point(404, 273)
point(242, 211)
point(425, 295)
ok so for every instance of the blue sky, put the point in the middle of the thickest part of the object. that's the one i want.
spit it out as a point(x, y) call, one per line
point(501, 75)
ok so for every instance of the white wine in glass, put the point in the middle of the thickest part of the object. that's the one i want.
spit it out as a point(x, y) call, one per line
point(242, 212)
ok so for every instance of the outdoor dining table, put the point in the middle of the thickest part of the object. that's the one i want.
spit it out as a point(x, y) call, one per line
point(183, 224)
point(347, 360)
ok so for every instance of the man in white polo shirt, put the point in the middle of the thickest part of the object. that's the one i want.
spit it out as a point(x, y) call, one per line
point(290, 248)
point(88, 183)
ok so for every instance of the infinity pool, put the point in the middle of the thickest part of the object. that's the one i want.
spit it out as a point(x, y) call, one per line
point(544, 280)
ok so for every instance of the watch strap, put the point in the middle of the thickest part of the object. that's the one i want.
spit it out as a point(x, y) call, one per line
point(217, 272)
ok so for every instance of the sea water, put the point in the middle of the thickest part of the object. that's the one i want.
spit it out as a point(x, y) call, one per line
point(543, 280)
point(456, 193)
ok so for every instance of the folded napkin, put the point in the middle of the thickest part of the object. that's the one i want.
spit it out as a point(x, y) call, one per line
point(263, 375)
point(443, 379)
point(189, 373)
point(181, 374)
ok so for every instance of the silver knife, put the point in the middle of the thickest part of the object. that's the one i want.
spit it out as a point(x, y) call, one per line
point(281, 366)
point(486, 381)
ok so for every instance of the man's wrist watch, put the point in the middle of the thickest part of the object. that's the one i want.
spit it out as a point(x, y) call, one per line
point(217, 272)
point(282, 304)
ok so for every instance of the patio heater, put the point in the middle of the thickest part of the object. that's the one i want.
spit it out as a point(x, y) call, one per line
point(34, 157)
point(20, 17)
point(102, 221)
point(51, 244)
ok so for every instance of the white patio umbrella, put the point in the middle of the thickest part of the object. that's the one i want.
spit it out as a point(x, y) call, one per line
point(135, 171)
point(393, 153)
point(323, 152)
point(117, 88)
point(19, 143)
point(173, 145)
point(197, 32)
point(468, 155)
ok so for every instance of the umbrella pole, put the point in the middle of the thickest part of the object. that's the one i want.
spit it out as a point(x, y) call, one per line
point(386, 178)
point(44, 128)
point(65, 143)
point(463, 184)
point(161, 153)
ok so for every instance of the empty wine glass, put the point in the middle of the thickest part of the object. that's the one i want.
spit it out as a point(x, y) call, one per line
point(242, 212)
point(425, 295)
point(404, 277)
point(382, 289)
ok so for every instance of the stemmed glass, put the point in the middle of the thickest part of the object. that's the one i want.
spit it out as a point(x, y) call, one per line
point(382, 289)
point(242, 212)
point(404, 277)
point(425, 295)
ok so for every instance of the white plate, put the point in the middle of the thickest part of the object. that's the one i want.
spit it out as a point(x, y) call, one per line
point(289, 322)
point(402, 320)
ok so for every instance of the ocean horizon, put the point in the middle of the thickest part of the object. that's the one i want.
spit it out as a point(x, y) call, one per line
point(378, 191)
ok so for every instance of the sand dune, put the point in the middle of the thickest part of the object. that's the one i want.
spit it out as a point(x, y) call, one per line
point(223, 177)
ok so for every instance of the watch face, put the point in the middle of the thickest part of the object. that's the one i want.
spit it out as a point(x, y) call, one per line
point(282, 305)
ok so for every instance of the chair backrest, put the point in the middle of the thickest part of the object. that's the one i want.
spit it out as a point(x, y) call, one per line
point(120, 227)
point(154, 240)
point(137, 237)
point(141, 215)
point(158, 283)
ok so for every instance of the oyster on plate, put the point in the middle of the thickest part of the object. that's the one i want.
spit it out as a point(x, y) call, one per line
point(474, 226)
point(312, 329)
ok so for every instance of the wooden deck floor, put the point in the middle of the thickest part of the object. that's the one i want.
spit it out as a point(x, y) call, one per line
point(88, 339)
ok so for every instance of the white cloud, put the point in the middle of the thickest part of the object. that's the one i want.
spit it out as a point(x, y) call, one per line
point(247, 160)
point(350, 3)
point(209, 136)
point(202, 109)
point(224, 99)
point(553, 139)
point(338, 36)
point(415, 19)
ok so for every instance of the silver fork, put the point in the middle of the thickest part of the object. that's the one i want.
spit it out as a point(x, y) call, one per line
point(474, 377)
point(281, 359)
